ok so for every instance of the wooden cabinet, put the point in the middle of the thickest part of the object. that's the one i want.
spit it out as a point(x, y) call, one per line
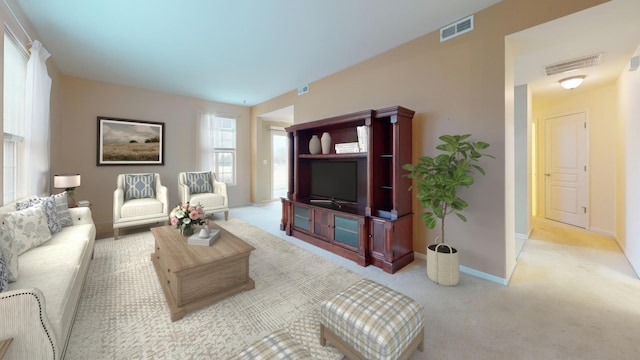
point(391, 242)
point(355, 204)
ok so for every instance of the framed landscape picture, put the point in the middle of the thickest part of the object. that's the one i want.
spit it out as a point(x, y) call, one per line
point(130, 142)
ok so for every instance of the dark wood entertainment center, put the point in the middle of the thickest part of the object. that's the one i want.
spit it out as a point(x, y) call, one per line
point(375, 229)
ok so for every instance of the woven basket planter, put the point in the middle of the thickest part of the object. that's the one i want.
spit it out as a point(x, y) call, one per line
point(443, 264)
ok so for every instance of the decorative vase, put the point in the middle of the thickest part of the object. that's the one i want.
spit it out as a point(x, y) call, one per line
point(326, 143)
point(314, 145)
point(443, 264)
point(186, 230)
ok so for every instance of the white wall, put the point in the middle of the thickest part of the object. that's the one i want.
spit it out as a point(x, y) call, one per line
point(628, 167)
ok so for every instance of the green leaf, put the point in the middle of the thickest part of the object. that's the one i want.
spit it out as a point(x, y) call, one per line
point(438, 178)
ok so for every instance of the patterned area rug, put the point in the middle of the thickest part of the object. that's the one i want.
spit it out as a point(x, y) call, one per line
point(123, 314)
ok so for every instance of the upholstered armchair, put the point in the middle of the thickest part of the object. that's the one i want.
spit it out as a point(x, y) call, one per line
point(203, 188)
point(139, 199)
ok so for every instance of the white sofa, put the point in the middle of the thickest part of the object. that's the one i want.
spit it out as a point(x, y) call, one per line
point(38, 309)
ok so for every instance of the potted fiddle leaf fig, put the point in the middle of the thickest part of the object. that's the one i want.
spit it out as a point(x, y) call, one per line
point(437, 180)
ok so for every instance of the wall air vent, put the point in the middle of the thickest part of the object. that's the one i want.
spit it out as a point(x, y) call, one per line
point(303, 89)
point(458, 28)
point(575, 64)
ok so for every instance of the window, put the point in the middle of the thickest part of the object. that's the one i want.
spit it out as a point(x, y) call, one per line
point(15, 70)
point(218, 147)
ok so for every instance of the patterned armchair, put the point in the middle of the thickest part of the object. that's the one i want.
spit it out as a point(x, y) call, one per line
point(203, 188)
point(139, 199)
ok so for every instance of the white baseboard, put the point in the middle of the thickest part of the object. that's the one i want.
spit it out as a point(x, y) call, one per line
point(470, 271)
point(603, 232)
point(483, 275)
point(522, 236)
point(635, 268)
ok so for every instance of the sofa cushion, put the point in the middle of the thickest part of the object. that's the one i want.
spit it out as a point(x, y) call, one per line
point(57, 282)
point(62, 209)
point(76, 233)
point(49, 207)
point(208, 200)
point(141, 207)
point(4, 274)
point(27, 228)
point(139, 186)
point(199, 182)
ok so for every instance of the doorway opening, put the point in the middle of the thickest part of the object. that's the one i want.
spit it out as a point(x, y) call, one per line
point(279, 163)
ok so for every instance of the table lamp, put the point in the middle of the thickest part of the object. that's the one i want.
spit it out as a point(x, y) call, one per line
point(68, 182)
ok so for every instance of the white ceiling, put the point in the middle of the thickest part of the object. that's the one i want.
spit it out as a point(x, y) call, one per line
point(246, 52)
point(612, 29)
point(238, 52)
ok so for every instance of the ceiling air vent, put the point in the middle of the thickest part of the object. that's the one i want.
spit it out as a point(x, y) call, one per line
point(575, 64)
point(458, 28)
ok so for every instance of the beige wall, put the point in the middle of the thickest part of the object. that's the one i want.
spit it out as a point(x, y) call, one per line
point(455, 87)
point(628, 167)
point(601, 108)
point(74, 139)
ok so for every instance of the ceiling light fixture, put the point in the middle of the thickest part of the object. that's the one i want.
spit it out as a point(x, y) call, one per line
point(572, 82)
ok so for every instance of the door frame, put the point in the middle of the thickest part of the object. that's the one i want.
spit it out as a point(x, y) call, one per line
point(273, 131)
point(541, 165)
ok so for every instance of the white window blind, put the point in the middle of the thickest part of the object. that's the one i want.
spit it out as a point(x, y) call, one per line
point(217, 147)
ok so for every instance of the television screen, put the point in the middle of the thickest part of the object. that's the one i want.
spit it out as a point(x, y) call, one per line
point(334, 180)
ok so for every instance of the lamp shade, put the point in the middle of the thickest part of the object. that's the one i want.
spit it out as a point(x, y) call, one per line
point(65, 181)
point(572, 82)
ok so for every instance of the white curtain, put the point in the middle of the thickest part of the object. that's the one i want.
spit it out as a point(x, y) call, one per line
point(36, 115)
point(205, 143)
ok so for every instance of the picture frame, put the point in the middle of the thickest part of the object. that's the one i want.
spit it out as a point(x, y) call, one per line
point(129, 142)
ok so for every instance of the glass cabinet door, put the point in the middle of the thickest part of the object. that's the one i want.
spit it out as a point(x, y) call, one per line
point(346, 231)
point(301, 217)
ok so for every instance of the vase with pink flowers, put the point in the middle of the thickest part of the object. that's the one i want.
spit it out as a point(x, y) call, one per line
point(185, 217)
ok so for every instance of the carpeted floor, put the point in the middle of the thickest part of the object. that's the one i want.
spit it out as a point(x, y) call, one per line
point(123, 314)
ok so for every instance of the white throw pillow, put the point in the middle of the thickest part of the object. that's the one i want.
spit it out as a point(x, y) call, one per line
point(64, 217)
point(4, 274)
point(49, 208)
point(10, 254)
point(27, 228)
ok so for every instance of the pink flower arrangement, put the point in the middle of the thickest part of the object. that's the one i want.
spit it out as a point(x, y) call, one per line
point(185, 216)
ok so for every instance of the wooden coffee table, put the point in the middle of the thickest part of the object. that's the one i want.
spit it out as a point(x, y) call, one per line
point(194, 276)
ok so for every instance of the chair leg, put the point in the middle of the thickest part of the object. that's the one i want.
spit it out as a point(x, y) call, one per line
point(226, 215)
point(115, 233)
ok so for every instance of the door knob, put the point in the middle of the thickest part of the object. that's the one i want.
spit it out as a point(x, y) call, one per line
point(547, 174)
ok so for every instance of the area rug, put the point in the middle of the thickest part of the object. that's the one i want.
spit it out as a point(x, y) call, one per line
point(123, 314)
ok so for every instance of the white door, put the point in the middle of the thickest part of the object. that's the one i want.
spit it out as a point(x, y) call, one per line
point(566, 180)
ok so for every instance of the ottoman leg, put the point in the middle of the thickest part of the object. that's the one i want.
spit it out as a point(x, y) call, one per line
point(421, 345)
point(323, 340)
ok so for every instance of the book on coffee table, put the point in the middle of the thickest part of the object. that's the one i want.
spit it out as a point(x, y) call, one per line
point(196, 239)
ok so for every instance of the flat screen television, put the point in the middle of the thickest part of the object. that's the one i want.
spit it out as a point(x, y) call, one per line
point(334, 180)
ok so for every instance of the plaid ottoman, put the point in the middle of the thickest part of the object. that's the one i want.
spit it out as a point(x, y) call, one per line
point(370, 321)
point(277, 345)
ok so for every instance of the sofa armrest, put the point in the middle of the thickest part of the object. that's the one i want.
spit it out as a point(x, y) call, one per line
point(163, 197)
point(220, 188)
point(81, 215)
point(184, 193)
point(118, 201)
point(24, 318)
